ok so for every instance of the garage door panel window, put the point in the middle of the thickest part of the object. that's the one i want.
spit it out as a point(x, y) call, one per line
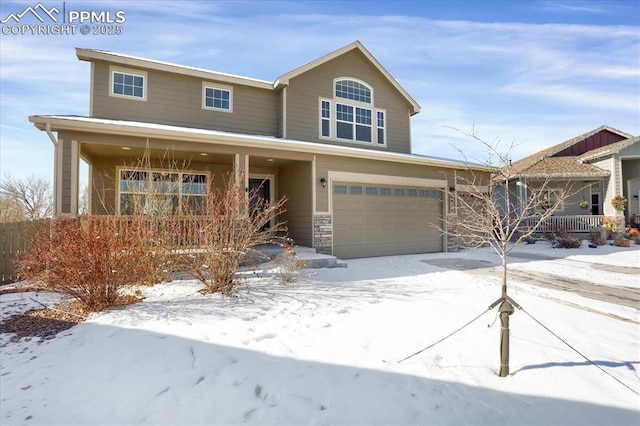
point(355, 190)
point(339, 189)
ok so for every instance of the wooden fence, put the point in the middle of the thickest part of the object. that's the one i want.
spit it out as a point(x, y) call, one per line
point(14, 238)
point(177, 232)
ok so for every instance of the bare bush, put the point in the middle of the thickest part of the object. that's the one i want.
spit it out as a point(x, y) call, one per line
point(595, 237)
point(567, 242)
point(237, 221)
point(289, 266)
point(87, 260)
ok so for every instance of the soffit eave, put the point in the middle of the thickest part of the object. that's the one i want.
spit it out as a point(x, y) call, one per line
point(230, 139)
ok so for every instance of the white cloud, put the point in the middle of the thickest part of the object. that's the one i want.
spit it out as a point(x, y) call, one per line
point(537, 84)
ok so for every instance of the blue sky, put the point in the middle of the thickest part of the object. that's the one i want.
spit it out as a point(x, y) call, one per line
point(532, 73)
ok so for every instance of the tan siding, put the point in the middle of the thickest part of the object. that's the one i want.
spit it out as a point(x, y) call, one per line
point(175, 99)
point(304, 90)
point(103, 186)
point(279, 114)
point(294, 183)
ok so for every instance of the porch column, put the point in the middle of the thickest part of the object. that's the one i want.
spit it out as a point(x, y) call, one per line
point(241, 164)
point(66, 171)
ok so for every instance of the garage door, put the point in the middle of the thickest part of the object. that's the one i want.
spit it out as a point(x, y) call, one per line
point(380, 220)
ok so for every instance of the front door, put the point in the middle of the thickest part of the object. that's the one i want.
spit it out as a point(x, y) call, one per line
point(634, 197)
point(595, 204)
point(262, 188)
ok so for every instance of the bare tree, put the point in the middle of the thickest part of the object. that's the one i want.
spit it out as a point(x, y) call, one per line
point(32, 194)
point(10, 211)
point(497, 213)
point(83, 202)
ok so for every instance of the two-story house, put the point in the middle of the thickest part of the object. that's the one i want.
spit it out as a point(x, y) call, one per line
point(333, 136)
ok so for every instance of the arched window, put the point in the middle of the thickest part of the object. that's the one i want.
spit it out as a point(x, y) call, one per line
point(350, 115)
point(354, 90)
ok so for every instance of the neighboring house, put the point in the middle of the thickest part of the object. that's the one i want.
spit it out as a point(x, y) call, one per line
point(604, 162)
point(333, 136)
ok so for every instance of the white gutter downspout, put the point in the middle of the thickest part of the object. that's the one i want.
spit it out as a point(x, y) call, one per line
point(57, 167)
point(50, 134)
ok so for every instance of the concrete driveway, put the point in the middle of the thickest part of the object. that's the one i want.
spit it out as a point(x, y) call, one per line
point(625, 296)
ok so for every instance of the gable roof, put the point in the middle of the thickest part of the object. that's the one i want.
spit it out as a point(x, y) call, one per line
point(614, 148)
point(135, 61)
point(522, 166)
point(356, 45)
point(562, 167)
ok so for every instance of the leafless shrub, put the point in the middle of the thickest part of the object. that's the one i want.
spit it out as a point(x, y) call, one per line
point(289, 266)
point(87, 260)
point(569, 241)
point(595, 237)
point(237, 221)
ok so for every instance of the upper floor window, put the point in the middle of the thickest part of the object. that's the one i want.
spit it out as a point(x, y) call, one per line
point(349, 115)
point(353, 90)
point(128, 83)
point(217, 97)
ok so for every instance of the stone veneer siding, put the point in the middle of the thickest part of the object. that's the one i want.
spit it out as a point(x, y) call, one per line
point(323, 234)
point(452, 242)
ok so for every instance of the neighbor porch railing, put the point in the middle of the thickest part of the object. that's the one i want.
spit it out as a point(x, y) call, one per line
point(575, 223)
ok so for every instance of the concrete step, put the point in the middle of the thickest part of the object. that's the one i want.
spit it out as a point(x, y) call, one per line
point(312, 259)
point(315, 260)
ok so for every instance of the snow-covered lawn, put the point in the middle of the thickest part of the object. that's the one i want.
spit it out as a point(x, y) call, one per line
point(325, 351)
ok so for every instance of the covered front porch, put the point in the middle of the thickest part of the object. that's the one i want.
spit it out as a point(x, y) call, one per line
point(130, 164)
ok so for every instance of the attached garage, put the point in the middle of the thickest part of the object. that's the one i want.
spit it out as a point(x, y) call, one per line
point(379, 220)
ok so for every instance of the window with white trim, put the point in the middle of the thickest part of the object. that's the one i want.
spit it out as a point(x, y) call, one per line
point(549, 199)
point(325, 118)
point(219, 98)
point(350, 115)
point(128, 83)
point(161, 192)
point(381, 127)
point(354, 90)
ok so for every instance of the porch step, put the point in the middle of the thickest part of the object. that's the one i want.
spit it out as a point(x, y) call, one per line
point(312, 259)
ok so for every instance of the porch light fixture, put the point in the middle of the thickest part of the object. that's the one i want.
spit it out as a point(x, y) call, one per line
point(323, 181)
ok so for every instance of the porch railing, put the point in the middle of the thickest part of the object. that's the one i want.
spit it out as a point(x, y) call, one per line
point(576, 223)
